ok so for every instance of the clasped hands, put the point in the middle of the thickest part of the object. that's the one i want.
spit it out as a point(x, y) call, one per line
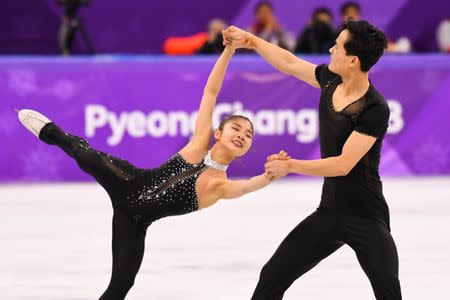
point(277, 165)
point(238, 38)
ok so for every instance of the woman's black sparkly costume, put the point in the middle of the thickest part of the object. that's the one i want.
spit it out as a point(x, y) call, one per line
point(139, 197)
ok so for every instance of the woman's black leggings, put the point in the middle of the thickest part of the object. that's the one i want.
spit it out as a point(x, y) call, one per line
point(116, 176)
point(318, 236)
point(128, 243)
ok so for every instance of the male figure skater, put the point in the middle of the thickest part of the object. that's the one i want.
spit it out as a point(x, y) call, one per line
point(353, 118)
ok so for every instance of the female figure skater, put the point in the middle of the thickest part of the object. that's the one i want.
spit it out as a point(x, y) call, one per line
point(192, 179)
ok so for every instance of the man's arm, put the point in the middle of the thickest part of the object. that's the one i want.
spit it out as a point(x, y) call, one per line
point(356, 146)
point(280, 59)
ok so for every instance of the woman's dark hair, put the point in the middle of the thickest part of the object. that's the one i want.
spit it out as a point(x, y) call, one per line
point(233, 117)
point(366, 42)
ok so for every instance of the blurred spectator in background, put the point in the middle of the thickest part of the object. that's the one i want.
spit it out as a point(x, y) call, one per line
point(319, 35)
point(402, 45)
point(209, 42)
point(214, 43)
point(443, 36)
point(349, 10)
point(352, 10)
point(267, 27)
point(70, 24)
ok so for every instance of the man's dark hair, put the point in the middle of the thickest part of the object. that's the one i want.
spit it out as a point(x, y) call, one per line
point(261, 4)
point(321, 10)
point(348, 5)
point(366, 42)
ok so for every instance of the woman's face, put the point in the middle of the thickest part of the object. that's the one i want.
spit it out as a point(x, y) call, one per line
point(236, 136)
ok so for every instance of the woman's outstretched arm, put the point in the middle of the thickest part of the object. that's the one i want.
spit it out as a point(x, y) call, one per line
point(203, 125)
point(231, 189)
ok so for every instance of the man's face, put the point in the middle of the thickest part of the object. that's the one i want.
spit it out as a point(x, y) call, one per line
point(339, 60)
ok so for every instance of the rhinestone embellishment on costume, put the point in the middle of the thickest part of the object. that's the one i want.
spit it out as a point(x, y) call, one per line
point(170, 189)
point(214, 164)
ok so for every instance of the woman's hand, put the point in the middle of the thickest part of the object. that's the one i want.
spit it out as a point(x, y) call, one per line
point(277, 165)
point(277, 168)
